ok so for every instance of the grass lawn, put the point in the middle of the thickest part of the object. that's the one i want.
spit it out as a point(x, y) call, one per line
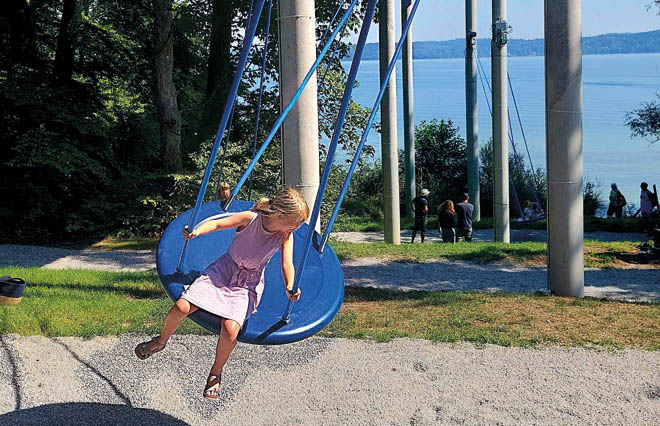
point(598, 254)
point(95, 303)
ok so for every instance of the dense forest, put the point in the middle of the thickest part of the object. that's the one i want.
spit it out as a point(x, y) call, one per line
point(646, 42)
point(110, 109)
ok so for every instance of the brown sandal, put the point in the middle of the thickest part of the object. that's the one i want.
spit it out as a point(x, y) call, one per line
point(145, 349)
point(212, 389)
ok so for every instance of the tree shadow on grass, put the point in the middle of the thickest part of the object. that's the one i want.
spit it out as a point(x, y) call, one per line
point(133, 292)
point(87, 413)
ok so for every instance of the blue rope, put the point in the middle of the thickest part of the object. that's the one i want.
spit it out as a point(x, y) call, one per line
point(288, 108)
point(517, 158)
point(341, 116)
point(261, 91)
point(370, 122)
point(231, 96)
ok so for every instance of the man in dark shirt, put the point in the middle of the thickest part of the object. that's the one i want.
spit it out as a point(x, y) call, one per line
point(464, 211)
point(420, 206)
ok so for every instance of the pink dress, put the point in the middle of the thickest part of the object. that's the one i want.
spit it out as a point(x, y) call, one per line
point(231, 287)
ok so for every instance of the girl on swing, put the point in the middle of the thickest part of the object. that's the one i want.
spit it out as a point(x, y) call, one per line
point(231, 287)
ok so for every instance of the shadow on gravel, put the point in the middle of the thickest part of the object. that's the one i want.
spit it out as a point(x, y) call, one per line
point(87, 413)
point(14, 371)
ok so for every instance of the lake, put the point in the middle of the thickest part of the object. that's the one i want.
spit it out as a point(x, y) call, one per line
point(612, 86)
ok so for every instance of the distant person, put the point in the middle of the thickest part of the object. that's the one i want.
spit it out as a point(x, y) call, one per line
point(528, 212)
point(464, 211)
point(646, 203)
point(447, 222)
point(223, 191)
point(420, 206)
point(617, 202)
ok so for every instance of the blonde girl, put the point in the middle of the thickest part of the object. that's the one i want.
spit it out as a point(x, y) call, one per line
point(231, 287)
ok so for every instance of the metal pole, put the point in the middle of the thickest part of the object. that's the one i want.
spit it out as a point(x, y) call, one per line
point(408, 108)
point(563, 115)
point(471, 109)
point(300, 147)
point(389, 147)
point(500, 140)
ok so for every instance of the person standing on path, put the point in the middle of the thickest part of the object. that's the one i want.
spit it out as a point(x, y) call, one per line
point(617, 201)
point(646, 207)
point(447, 222)
point(464, 212)
point(420, 206)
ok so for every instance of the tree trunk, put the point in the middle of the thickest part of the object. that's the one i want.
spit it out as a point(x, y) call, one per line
point(168, 110)
point(66, 39)
point(220, 70)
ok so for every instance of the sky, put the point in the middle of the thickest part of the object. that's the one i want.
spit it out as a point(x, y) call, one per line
point(445, 19)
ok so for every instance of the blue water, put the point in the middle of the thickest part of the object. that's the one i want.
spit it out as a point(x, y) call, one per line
point(612, 85)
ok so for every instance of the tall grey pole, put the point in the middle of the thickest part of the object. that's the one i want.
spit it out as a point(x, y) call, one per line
point(408, 108)
point(471, 112)
point(563, 115)
point(500, 123)
point(300, 148)
point(389, 147)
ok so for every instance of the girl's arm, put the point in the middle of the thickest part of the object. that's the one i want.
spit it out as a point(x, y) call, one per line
point(288, 270)
point(233, 221)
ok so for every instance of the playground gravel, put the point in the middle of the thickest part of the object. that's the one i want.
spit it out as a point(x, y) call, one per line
point(71, 381)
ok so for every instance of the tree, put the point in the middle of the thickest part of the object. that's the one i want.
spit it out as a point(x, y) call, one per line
point(66, 41)
point(441, 160)
point(645, 121)
point(168, 109)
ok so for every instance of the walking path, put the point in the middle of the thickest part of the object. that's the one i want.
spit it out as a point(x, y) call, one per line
point(517, 235)
point(615, 284)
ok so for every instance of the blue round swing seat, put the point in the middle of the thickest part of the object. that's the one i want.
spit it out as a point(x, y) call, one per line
point(322, 281)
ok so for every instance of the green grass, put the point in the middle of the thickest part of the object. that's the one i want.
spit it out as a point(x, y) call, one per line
point(523, 320)
point(487, 252)
point(86, 303)
point(591, 224)
point(93, 303)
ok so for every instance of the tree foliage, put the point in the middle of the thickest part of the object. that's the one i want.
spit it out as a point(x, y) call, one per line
point(81, 152)
point(645, 121)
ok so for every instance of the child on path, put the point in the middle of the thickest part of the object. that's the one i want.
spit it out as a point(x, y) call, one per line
point(231, 287)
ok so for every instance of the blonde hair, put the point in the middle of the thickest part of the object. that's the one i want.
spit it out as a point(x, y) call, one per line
point(224, 186)
point(287, 202)
point(448, 206)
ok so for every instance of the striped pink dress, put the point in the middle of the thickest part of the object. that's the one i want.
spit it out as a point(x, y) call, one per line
point(231, 287)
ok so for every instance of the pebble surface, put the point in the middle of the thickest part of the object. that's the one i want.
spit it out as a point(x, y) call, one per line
point(320, 381)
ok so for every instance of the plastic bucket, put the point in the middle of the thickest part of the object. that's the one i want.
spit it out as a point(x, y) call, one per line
point(11, 290)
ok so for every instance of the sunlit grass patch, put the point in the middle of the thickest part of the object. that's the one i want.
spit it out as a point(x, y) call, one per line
point(499, 318)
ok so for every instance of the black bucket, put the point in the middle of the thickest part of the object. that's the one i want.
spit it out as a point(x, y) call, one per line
point(11, 290)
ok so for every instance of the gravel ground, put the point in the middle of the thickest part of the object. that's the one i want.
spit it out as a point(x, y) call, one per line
point(324, 382)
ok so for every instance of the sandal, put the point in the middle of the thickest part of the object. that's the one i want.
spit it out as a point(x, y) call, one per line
point(212, 389)
point(145, 349)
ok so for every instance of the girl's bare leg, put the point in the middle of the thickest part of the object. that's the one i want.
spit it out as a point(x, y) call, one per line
point(226, 343)
point(181, 309)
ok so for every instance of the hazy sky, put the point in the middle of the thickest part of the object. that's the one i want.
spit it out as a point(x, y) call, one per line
point(445, 19)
